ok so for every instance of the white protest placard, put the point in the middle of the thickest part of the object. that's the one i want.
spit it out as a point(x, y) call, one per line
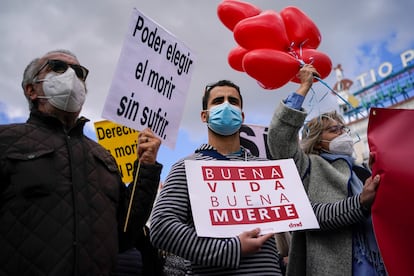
point(230, 197)
point(151, 81)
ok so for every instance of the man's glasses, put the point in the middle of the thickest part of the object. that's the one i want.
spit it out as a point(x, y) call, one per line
point(60, 67)
point(337, 129)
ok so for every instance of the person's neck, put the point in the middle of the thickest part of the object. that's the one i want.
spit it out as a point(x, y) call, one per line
point(68, 119)
point(224, 144)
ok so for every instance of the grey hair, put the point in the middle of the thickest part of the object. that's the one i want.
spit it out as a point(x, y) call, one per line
point(312, 130)
point(33, 67)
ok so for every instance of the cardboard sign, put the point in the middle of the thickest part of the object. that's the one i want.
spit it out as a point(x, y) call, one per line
point(391, 141)
point(121, 142)
point(151, 81)
point(230, 197)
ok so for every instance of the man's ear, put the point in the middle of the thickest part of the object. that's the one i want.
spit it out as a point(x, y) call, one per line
point(30, 92)
point(204, 116)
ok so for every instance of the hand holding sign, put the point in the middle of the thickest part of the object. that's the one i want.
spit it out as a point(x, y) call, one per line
point(251, 242)
point(148, 146)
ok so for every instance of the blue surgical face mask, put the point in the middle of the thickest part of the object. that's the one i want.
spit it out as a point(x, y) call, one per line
point(225, 119)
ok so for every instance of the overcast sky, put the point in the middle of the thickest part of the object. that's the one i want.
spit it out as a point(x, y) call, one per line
point(359, 35)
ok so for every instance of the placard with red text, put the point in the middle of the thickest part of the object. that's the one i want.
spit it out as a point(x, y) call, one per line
point(230, 197)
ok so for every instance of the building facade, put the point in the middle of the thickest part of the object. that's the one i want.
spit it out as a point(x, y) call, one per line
point(395, 89)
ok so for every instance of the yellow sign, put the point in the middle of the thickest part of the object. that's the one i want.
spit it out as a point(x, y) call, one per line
point(121, 142)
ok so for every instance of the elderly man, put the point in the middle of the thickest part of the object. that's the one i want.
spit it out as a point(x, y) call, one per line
point(63, 204)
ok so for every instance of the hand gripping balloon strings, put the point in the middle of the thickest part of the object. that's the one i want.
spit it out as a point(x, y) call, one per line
point(302, 63)
point(132, 193)
point(311, 101)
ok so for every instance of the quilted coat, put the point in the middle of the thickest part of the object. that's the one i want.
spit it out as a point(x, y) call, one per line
point(62, 201)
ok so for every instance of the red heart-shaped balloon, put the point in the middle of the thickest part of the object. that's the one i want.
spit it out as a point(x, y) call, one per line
point(319, 60)
point(235, 58)
point(300, 29)
point(271, 68)
point(265, 30)
point(230, 12)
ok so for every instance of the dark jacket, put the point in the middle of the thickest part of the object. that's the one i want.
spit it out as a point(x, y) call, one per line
point(62, 201)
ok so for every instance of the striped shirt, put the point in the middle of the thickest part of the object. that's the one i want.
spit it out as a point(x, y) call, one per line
point(173, 230)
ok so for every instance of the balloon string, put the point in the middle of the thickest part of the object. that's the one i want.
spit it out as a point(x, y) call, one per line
point(314, 102)
point(333, 91)
point(302, 63)
point(339, 96)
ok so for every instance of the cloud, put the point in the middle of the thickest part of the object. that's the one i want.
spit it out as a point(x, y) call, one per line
point(94, 30)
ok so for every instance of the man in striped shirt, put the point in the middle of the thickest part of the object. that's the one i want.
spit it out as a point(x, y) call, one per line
point(172, 225)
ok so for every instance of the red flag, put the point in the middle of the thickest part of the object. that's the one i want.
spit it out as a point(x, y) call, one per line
point(391, 141)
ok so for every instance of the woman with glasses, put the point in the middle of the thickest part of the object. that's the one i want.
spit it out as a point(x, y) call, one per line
point(340, 191)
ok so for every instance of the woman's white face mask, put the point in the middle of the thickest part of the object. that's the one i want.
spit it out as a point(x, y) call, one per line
point(342, 144)
point(64, 91)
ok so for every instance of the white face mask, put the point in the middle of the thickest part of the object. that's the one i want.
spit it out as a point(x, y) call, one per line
point(342, 144)
point(64, 91)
